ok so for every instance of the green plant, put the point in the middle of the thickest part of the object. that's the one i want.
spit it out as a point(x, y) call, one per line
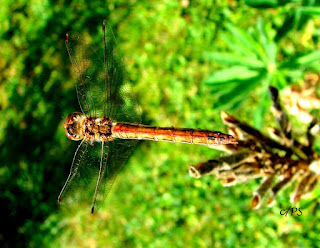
point(255, 60)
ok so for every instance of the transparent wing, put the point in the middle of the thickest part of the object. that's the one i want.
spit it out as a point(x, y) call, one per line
point(86, 65)
point(119, 105)
point(118, 153)
point(120, 99)
point(84, 173)
point(102, 88)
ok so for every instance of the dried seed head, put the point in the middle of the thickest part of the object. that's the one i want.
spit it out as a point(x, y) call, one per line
point(256, 201)
point(300, 189)
point(229, 182)
point(227, 119)
point(261, 191)
point(281, 156)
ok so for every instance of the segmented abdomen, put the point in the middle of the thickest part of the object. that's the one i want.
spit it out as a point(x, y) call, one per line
point(180, 135)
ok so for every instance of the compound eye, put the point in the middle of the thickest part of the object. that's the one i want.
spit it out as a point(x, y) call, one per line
point(72, 126)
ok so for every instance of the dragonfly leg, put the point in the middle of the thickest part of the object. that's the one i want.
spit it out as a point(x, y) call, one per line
point(100, 177)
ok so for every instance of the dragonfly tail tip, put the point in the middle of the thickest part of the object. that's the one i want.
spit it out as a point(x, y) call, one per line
point(92, 210)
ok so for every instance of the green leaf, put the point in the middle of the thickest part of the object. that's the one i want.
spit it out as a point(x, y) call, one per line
point(231, 96)
point(310, 10)
point(279, 80)
point(268, 49)
point(263, 36)
point(262, 3)
point(235, 59)
point(261, 109)
point(271, 50)
point(287, 26)
point(314, 67)
point(244, 39)
point(230, 75)
point(300, 61)
point(308, 59)
point(233, 45)
point(291, 74)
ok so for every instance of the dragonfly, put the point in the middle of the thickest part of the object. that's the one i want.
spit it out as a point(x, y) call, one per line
point(108, 126)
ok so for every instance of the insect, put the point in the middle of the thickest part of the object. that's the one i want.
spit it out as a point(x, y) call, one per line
point(108, 125)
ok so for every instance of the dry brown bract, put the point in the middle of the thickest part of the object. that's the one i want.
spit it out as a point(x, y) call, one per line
point(279, 161)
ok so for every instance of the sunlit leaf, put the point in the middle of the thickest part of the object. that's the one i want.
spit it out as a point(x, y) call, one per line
point(279, 80)
point(234, 94)
point(247, 44)
point(301, 61)
point(243, 38)
point(290, 75)
point(263, 36)
point(308, 59)
point(235, 46)
point(262, 3)
point(314, 67)
point(310, 10)
point(230, 75)
point(232, 59)
point(261, 109)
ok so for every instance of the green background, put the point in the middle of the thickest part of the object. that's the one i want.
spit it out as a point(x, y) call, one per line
point(154, 202)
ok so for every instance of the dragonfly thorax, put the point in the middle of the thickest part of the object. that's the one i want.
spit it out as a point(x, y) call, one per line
point(97, 129)
point(78, 126)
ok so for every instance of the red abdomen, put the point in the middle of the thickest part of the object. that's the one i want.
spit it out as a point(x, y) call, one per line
point(180, 135)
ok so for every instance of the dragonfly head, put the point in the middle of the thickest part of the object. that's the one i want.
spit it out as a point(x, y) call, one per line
point(73, 126)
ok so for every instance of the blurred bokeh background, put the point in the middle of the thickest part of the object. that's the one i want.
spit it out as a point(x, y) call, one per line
point(187, 60)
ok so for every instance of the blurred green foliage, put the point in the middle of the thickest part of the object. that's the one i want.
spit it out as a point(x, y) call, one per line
point(153, 202)
point(254, 61)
